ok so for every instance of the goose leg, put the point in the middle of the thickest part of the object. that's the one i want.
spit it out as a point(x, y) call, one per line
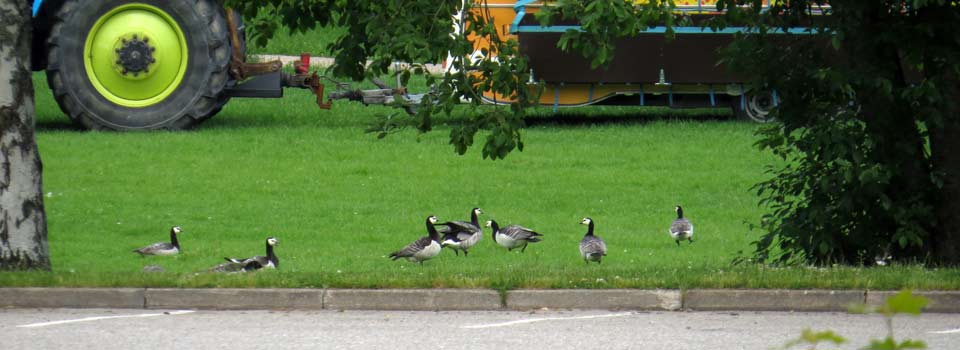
point(464, 253)
point(678, 242)
point(524, 248)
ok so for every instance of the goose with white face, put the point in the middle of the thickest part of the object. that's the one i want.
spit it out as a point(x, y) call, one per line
point(513, 236)
point(163, 248)
point(424, 248)
point(592, 248)
point(462, 235)
point(254, 263)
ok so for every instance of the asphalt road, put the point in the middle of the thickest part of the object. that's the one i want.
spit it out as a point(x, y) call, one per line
point(599, 329)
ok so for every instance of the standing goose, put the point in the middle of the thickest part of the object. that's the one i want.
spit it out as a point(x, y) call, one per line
point(460, 235)
point(163, 248)
point(422, 249)
point(681, 228)
point(513, 236)
point(592, 248)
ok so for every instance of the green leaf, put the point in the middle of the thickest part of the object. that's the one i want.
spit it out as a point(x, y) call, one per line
point(904, 302)
point(813, 338)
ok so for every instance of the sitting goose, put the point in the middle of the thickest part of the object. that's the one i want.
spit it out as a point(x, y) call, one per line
point(513, 236)
point(681, 228)
point(460, 235)
point(163, 248)
point(270, 261)
point(592, 248)
point(422, 249)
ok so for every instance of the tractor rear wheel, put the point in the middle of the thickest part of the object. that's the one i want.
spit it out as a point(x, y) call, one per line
point(139, 65)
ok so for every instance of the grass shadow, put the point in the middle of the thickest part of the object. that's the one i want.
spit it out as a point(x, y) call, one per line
point(61, 123)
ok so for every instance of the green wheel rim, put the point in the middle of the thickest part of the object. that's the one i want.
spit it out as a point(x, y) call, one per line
point(149, 35)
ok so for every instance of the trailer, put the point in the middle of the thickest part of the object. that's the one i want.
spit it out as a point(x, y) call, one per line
point(647, 70)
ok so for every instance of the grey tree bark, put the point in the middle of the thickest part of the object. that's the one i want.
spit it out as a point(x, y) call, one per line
point(23, 222)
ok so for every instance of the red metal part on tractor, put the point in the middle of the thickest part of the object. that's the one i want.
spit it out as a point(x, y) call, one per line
point(304, 64)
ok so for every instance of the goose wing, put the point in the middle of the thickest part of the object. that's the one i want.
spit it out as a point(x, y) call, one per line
point(153, 248)
point(681, 225)
point(521, 233)
point(228, 267)
point(411, 248)
point(259, 259)
point(456, 226)
point(593, 245)
point(255, 263)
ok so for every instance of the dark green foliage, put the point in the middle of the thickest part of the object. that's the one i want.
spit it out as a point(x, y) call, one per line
point(858, 101)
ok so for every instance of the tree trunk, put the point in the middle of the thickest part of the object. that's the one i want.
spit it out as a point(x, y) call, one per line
point(23, 223)
point(945, 151)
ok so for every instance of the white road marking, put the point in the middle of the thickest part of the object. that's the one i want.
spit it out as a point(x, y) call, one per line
point(532, 320)
point(949, 331)
point(97, 318)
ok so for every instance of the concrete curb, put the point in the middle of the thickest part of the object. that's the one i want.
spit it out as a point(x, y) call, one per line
point(459, 299)
point(234, 299)
point(772, 300)
point(628, 299)
point(945, 302)
point(120, 298)
point(412, 299)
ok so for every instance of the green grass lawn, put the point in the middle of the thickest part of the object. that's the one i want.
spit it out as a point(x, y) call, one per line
point(286, 43)
point(340, 201)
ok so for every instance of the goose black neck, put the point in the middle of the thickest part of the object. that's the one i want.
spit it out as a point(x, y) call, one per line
point(679, 212)
point(590, 229)
point(173, 239)
point(272, 256)
point(432, 231)
point(474, 219)
point(494, 227)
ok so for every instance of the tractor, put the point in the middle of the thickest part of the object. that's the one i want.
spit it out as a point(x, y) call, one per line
point(151, 64)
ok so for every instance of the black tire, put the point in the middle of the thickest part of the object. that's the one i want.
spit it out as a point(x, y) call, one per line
point(195, 99)
point(242, 35)
point(755, 106)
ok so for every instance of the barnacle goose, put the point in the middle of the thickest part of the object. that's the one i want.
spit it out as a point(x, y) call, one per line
point(513, 236)
point(270, 261)
point(163, 248)
point(681, 228)
point(422, 249)
point(592, 248)
point(460, 235)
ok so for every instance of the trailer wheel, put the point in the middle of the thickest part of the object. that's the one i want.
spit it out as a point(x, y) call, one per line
point(143, 65)
point(755, 106)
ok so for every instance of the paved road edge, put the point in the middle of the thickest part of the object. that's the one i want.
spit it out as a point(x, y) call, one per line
point(460, 299)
